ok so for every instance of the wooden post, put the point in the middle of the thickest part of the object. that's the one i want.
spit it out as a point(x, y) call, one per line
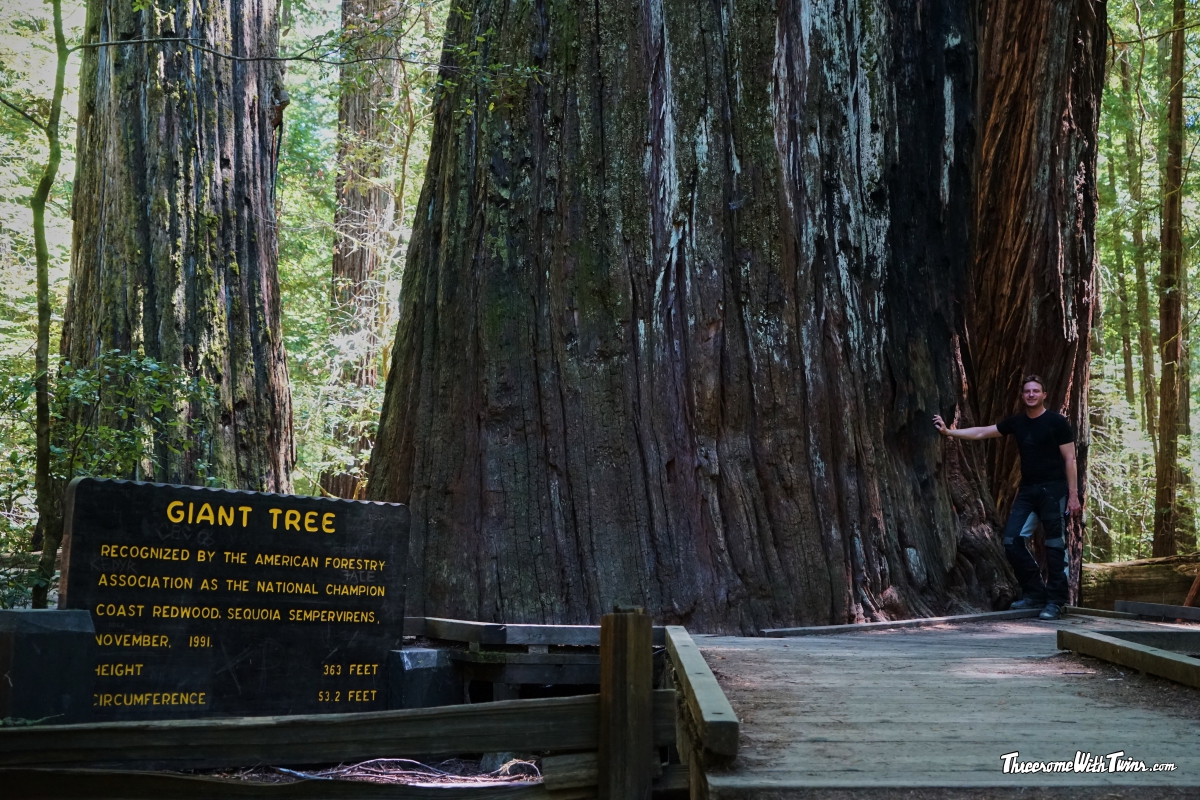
point(1193, 592)
point(626, 758)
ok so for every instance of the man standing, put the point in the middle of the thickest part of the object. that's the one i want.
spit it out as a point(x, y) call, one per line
point(1049, 491)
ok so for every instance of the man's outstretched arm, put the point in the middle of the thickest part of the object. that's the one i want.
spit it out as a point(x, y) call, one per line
point(983, 432)
point(1074, 508)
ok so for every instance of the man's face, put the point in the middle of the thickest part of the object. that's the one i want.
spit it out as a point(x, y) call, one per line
point(1033, 394)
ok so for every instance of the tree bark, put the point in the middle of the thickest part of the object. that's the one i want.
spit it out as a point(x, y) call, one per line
point(1146, 349)
point(366, 209)
point(175, 248)
point(1041, 68)
point(675, 318)
point(1166, 511)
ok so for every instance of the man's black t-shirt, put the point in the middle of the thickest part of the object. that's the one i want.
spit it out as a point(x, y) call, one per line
point(1038, 440)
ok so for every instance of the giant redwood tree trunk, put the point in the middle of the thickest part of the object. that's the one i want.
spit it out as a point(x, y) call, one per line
point(1034, 279)
point(676, 317)
point(174, 242)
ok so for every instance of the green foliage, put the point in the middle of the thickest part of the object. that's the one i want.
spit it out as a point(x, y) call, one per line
point(26, 77)
point(335, 418)
point(18, 516)
point(1121, 461)
point(121, 417)
point(124, 416)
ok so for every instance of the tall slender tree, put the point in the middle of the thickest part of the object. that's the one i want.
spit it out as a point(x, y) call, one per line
point(1118, 235)
point(366, 209)
point(1166, 511)
point(1146, 350)
point(174, 250)
point(43, 480)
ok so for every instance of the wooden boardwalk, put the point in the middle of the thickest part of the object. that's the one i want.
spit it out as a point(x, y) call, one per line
point(927, 713)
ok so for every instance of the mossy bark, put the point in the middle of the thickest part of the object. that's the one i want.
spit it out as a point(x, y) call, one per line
point(677, 314)
point(175, 249)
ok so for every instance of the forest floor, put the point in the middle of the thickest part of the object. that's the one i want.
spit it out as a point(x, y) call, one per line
point(927, 713)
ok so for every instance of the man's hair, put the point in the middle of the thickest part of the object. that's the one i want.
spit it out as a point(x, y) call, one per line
point(1033, 379)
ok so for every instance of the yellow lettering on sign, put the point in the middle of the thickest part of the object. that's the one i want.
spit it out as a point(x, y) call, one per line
point(118, 670)
point(225, 516)
point(245, 514)
point(291, 519)
point(206, 515)
point(144, 551)
point(133, 640)
point(150, 699)
point(327, 522)
point(310, 521)
point(175, 511)
point(184, 612)
point(275, 512)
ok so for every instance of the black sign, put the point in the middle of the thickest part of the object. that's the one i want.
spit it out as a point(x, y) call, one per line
point(212, 602)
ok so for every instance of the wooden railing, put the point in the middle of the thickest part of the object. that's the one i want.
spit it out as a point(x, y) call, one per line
point(606, 744)
point(560, 724)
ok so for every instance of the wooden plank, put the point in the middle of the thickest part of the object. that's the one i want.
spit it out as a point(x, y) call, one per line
point(457, 630)
point(567, 635)
point(497, 666)
point(1173, 666)
point(538, 659)
point(570, 771)
point(716, 724)
point(825, 630)
point(550, 725)
point(45, 784)
point(578, 770)
point(869, 710)
point(1158, 610)
point(489, 633)
point(1080, 611)
point(1177, 640)
point(540, 674)
point(626, 749)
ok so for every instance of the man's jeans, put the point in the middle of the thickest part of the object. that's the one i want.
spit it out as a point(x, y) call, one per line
point(1047, 502)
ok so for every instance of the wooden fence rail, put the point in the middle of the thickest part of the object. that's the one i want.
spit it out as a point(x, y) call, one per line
point(1158, 610)
point(715, 723)
point(494, 633)
point(546, 725)
point(45, 784)
point(1111, 646)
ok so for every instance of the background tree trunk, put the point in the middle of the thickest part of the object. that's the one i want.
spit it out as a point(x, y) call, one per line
point(1122, 298)
point(1166, 512)
point(1133, 158)
point(174, 246)
point(676, 316)
point(365, 214)
point(1041, 76)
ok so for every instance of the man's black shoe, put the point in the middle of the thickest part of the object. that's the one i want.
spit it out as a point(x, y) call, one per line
point(1026, 605)
point(1051, 611)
